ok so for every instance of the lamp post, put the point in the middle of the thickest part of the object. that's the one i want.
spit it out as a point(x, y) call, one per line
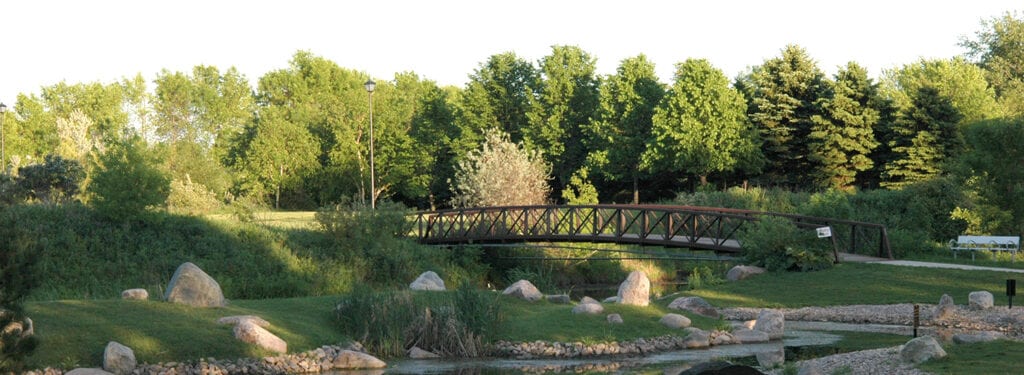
point(370, 85)
point(3, 151)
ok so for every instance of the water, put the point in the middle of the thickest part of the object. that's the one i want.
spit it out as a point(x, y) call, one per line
point(742, 354)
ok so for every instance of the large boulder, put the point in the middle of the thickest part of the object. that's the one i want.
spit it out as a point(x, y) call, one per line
point(350, 360)
point(921, 349)
point(249, 331)
point(523, 289)
point(771, 322)
point(945, 309)
point(695, 305)
point(636, 290)
point(980, 300)
point(191, 286)
point(118, 359)
point(137, 294)
point(675, 321)
point(428, 281)
point(742, 272)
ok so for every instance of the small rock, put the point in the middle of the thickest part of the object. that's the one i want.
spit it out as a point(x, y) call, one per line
point(945, 309)
point(118, 359)
point(562, 299)
point(523, 289)
point(695, 305)
point(247, 331)
point(675, 321)
point(980, 300)
point(137, 294)
point(347, 360)
point(612, 299)
point(771, 322)
point(587, 299)
point(636, 290)
point(588, 308)
point(743, 272)
point(417, 353)
point(697, 339)
point(238, 319)
point(973, 338)
point(921, 349)
point(745, 336)
point(428, 281)
point(614, 318)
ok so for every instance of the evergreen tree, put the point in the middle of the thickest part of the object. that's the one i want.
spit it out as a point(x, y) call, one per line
point(785, 97)
point(926, 136)
point(842, 138)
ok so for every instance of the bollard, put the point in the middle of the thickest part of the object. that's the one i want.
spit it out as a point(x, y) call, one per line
point(916, 319)
point(1011, 290)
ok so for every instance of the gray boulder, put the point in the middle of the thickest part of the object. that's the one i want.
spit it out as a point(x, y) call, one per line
point(137, 294)
point(695, 305)
point(561, 299)
point(588, 308)
point(743, 272)
point(523, 289)
point(249, 332)
point(746, 336)
point(771, 322)
point(977, 337)
point(428, 281)
point(118, 359)
point(697, 339)
point(675, 321)
point(350, 360)
point(921, 349)
point(614, 318)
point(191, 286)
point(946, 309)
point(636, 290)
point(416, 353)
point(980, 300)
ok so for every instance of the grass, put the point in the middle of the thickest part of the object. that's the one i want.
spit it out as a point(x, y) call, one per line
point(981, 258)
point(996, 357)
point(856, 283)
point(74, 333)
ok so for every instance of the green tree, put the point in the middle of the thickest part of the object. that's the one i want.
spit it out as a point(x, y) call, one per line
point(499, 95)
point(567, 100)
point(956, 79)
point(501, 173)
point(279, 153)
point(435, 129)
point(56, 180)
point(999, 49)
point(621, 129)
point(992, 168)
point(842, 138)
point(127, 181)
point(925, 137)
point(700, 127)
point(783, 102)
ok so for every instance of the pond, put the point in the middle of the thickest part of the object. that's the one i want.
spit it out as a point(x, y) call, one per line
point(667, 362)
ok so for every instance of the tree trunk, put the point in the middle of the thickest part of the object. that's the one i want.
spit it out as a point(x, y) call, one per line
point(277, 196)
point(636, 189)
point(703, 180)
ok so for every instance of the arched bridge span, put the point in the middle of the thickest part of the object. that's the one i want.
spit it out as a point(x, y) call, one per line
point(698, 228)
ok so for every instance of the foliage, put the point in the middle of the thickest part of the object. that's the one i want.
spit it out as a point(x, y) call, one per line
point(955, 80)
point(580, 190)
point(499, 95)
point(703, 276)
point(843, 136)
point(56, 180)
point(127, 182)
point(446, 323)
point(778, 245)
point(501, 173)
point(989, 174)
point(996, 48)
point(187, 197)
point(925, 138)
point(18, 276)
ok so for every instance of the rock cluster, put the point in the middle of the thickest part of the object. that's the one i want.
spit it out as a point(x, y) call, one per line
point(695, 338)
point(323, 359)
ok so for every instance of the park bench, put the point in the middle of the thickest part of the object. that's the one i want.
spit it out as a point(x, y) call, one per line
point(986, 243)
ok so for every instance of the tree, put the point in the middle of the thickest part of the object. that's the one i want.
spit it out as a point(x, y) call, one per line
point(784, 99)
point(956, 79)
point(77, 138)
point(700, 127)
point(278, 153)
point(999, 49)
point(842, 138)
point(925, 137)
point(621, 129)
point(499, 95)
point(567, 100)
point(56, 180)
point(992, 168)
point(501, 173)
point(127, 182)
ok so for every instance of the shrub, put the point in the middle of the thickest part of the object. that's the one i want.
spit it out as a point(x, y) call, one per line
point(127, 182)
point(778, 245)
point(186, 197)
point(501, 173)
point(56, 180)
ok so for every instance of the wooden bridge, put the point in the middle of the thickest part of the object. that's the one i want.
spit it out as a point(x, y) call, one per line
point(697, 228)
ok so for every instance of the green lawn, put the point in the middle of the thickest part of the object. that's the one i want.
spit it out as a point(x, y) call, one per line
point(997, 357)
point(857, 283)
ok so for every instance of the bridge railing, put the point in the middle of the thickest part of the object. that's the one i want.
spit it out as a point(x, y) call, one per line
point(671, 226)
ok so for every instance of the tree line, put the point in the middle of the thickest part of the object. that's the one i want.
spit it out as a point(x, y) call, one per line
point(300, 139)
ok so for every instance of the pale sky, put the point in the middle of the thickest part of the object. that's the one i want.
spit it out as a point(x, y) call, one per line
point(43, 42)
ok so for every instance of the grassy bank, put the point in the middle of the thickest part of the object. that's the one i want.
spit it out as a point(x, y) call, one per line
point(857, 283)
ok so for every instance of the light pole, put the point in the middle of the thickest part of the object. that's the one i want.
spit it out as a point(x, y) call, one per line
point(370, 85)
point(3, 151)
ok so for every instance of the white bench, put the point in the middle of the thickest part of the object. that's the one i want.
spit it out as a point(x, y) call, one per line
point(986, 243)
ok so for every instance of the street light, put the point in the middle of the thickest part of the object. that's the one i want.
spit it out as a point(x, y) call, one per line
point(370, 85)
point(3, 152)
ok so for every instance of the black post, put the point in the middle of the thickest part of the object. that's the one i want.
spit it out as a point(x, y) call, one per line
point(917, 318)
point(1011, 290)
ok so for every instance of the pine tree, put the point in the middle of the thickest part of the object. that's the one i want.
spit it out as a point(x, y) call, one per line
point(842, 138)
point(925, 137)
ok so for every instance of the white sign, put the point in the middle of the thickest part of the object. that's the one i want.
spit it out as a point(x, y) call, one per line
point(824, 232)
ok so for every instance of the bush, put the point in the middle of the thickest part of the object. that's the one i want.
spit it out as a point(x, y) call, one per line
point(191, 198)
point(127, 182)
point(778, 245)
point(56, 180)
